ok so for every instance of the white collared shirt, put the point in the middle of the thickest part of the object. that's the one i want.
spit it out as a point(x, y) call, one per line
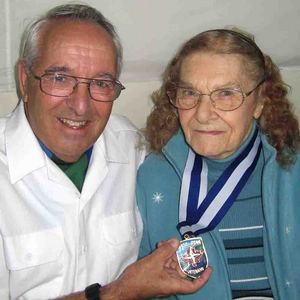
point(55, 240)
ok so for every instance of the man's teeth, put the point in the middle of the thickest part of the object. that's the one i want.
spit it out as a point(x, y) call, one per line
point(75, 124)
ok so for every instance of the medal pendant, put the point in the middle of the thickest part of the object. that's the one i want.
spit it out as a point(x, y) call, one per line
point(192, 257)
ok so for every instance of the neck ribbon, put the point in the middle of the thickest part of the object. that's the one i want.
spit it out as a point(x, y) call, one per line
point(201, 210)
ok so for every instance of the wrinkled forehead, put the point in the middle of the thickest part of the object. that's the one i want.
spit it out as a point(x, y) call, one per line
point(250, 65)
point(208, 63)
point(64, 33)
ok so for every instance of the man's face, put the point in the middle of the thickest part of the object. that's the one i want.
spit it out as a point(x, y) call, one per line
point(68, 126)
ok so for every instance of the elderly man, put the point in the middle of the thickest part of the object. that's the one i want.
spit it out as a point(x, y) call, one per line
point(68, 218)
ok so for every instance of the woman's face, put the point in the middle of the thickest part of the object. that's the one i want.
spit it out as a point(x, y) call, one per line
point(211, 132)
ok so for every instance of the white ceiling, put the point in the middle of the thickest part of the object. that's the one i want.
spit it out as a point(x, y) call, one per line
point(152, 30)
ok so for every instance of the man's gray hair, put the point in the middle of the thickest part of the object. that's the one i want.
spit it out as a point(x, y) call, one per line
point(75, 12)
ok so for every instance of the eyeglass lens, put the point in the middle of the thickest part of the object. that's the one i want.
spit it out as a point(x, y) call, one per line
point(63, 85)
point(224, 99)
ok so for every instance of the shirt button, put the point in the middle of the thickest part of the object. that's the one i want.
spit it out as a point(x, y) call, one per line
point(28, 256)
point(83, 249)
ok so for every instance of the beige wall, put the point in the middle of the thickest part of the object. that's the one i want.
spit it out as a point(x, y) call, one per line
point(136, 104)
point(292, 77)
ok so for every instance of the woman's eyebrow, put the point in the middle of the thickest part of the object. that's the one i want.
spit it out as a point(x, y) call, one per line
point(229, 84)
point(185, 84)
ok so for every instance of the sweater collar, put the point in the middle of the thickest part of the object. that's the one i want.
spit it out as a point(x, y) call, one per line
point(176, 151)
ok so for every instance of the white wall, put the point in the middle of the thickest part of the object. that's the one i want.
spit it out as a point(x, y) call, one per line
point(292, 77)
point(8, 101)
point(151, 31)
point(135, 102)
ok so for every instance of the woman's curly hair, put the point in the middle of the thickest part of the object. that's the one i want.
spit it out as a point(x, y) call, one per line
point(277, 121)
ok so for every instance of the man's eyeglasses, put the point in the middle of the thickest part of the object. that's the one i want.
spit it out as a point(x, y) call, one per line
point(226, 99)
point(61, 85)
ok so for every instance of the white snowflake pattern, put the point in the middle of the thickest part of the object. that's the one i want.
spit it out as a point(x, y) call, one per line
point(157, 197)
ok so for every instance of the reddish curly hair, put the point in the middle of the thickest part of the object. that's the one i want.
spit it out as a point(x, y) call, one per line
point(277, 121)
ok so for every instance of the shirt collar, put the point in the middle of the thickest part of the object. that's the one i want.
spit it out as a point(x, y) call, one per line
point(24, 153)
point(115, 148)
point(50, 154)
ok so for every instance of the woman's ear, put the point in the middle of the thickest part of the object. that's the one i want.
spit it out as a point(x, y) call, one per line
point(22, 80)
point(258, 109)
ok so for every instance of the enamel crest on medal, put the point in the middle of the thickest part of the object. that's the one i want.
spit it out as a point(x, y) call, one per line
point(192, 257)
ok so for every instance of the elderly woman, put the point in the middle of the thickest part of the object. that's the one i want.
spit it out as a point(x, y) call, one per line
point(225, 167)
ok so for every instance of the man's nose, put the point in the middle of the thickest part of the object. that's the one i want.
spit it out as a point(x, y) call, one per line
point(80, 100)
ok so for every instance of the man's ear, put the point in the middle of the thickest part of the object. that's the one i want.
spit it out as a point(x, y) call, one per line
point(22, 80)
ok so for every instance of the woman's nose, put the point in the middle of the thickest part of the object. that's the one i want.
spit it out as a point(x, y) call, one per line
point(205, 109)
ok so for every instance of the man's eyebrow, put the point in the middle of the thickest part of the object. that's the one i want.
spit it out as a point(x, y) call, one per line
point(57, 69)
point(64, 69)
point(105, 76)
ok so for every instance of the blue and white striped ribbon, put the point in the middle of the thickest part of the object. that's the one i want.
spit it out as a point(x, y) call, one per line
point(201, 210)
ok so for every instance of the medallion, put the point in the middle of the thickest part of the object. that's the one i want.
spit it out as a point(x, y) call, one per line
point(192, 257)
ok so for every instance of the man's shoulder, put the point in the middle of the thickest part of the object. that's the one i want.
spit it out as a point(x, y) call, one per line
point(3, 122)
point(121, 136)
point(124, 131)
point(118, 122)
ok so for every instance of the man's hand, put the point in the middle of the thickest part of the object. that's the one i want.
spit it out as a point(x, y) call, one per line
point(157, 274)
